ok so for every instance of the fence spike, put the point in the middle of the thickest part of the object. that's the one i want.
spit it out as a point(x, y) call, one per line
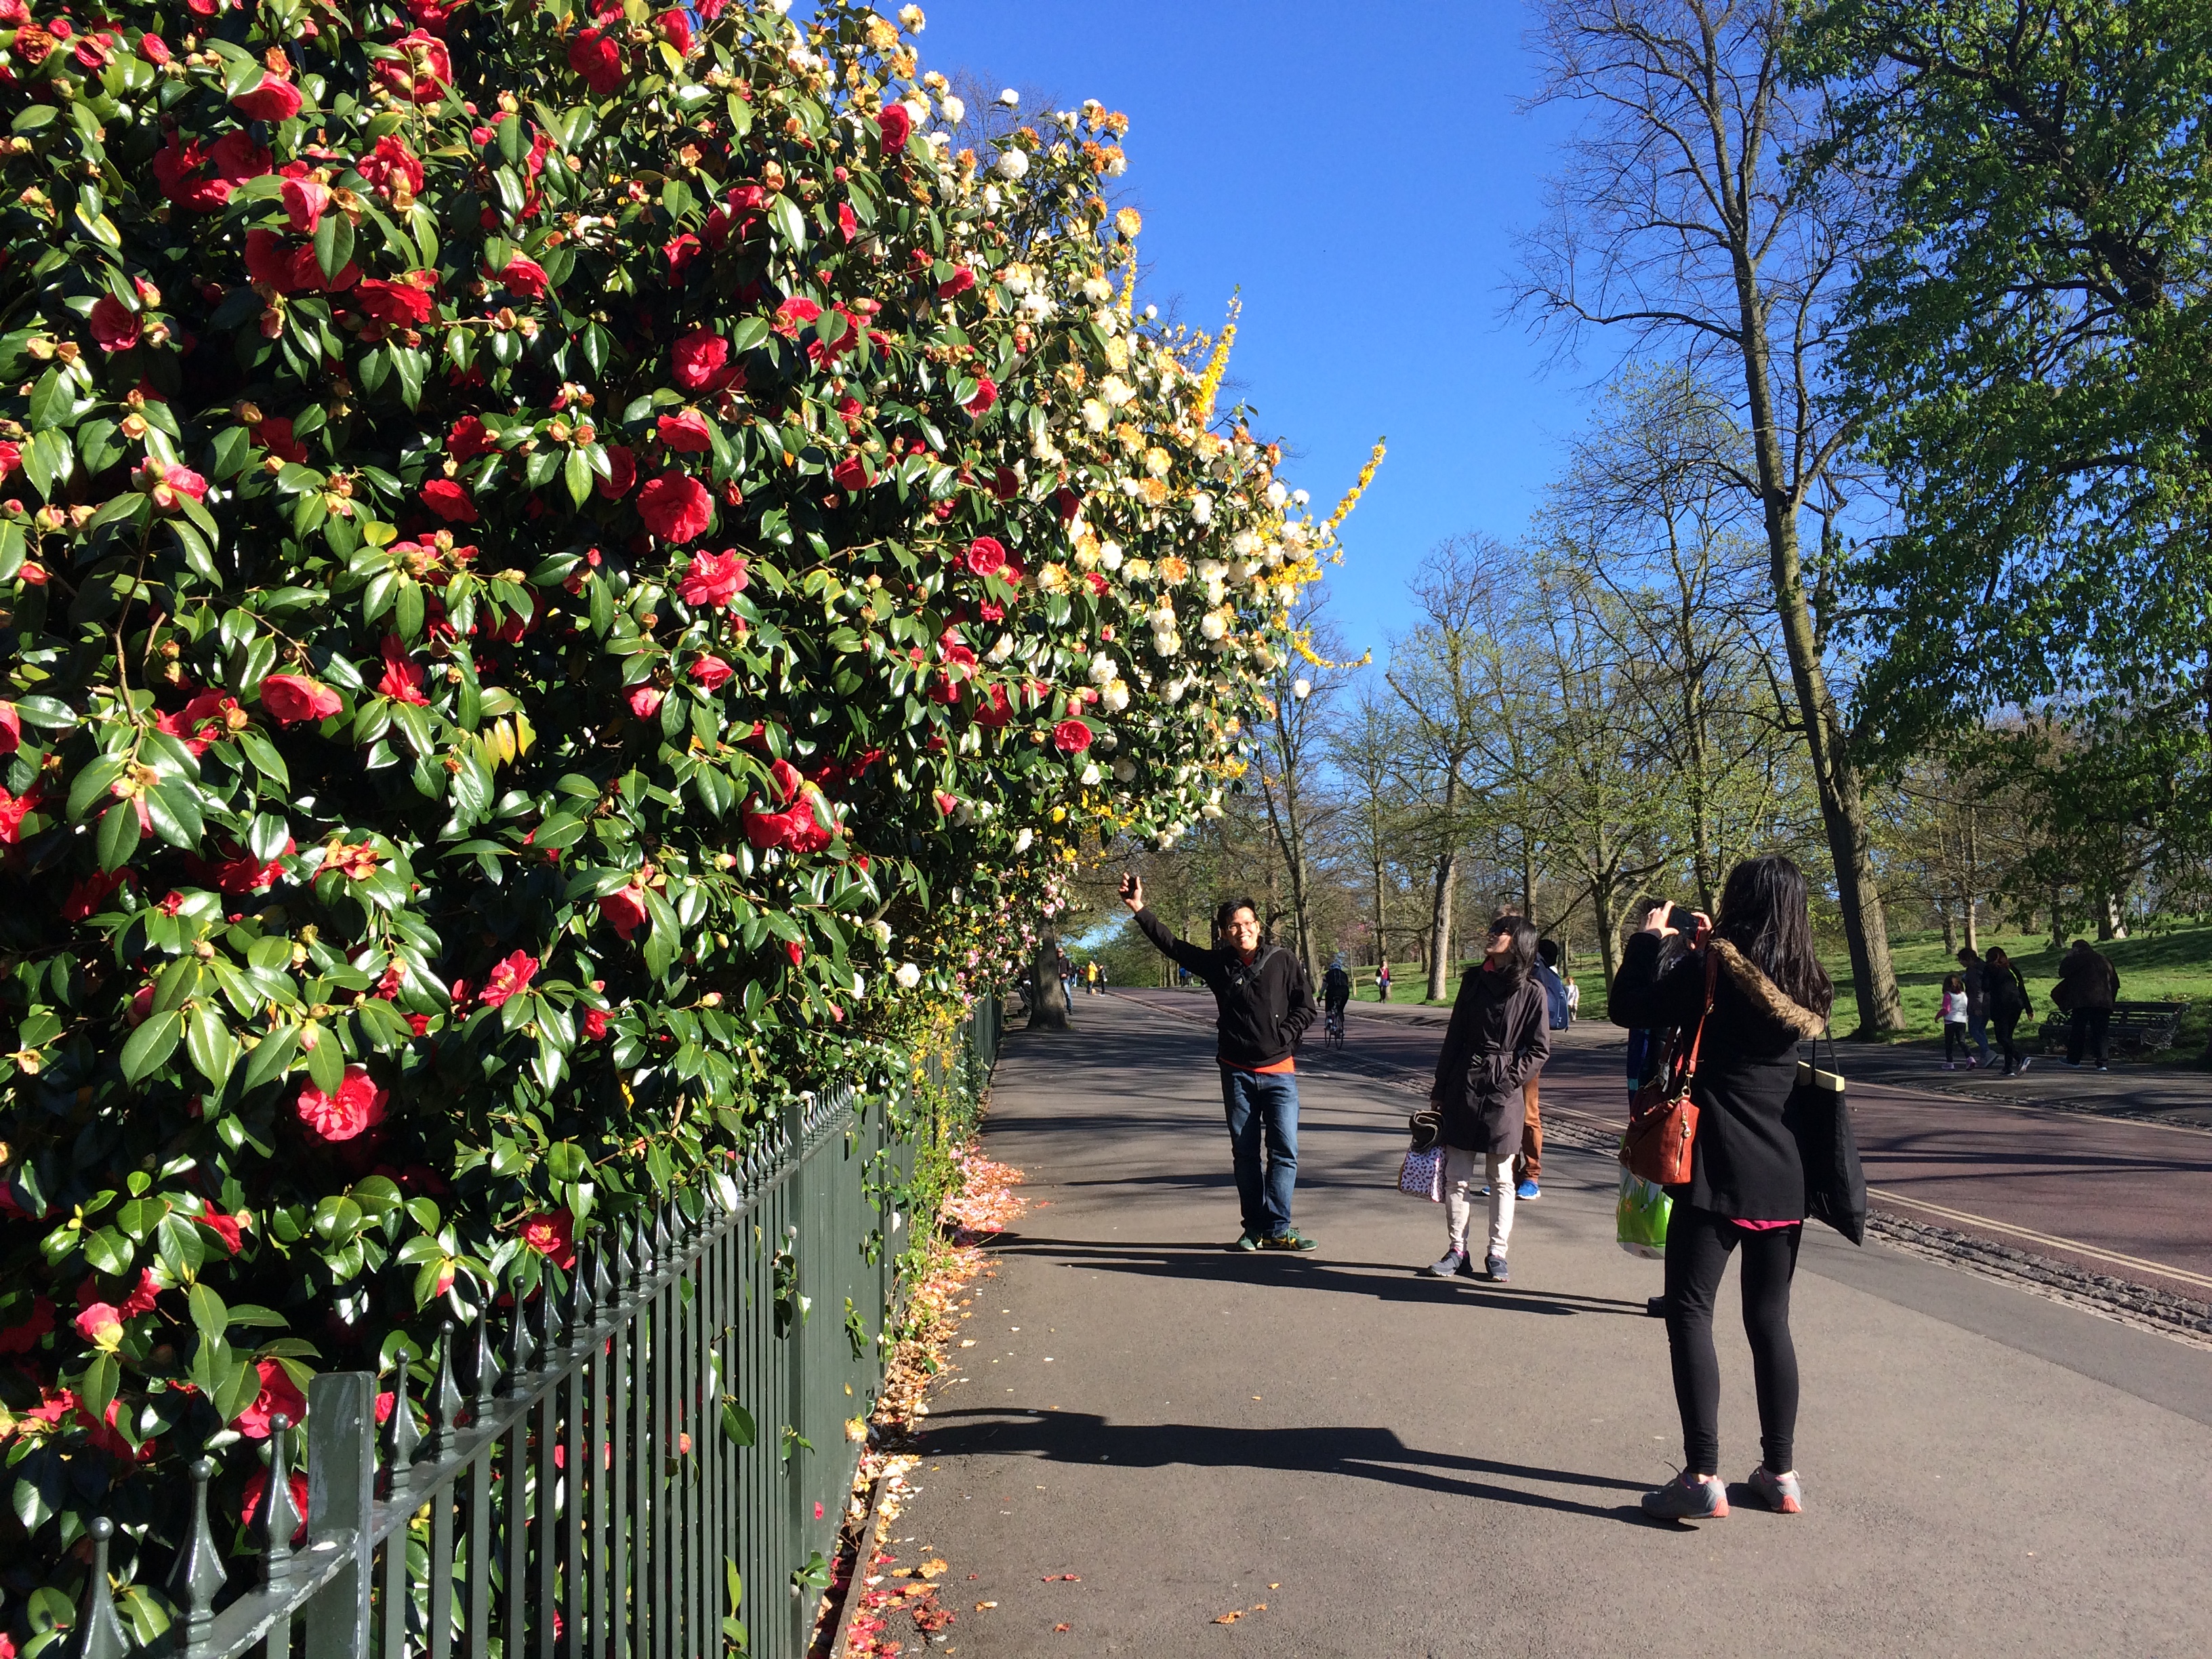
point(101, 1632)
point(625, 1264)
point(661, 1244)
point(519, 1347)
point(545, 1324)
point(576, 1311)
point(400, 1435)
point(279, 1517)
point(484, 1378)
point(602, 1287)
point(445, 1396)
point(197, 1575)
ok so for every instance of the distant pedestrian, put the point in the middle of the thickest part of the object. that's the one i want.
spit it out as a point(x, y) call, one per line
point(1574, 996)
point(2008, 1003)
point(1090, 977)
point(1528, 1164)
point(2088, 987)
point(1954, 1016)
point(1067, 983)
point(1498, 1040)
point(1336, 992)
point(1747, 1188)
point(1973, 972)
point(1264, 1007)
point(1382, 983)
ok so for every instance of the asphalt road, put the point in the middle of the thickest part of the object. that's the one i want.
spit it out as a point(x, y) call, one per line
point(1396, 1466)
point(2114, 1195)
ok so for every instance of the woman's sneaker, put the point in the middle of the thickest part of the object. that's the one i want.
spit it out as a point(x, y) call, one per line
point(1687, 1497)
point(1779, 1492)
point(1446, 1266)
point(1496, 1268)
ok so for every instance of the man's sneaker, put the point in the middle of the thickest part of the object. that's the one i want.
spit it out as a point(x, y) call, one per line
point(1289, 1239)
point(1246, 1241)
point(1687, 1497)
point(2024, 1064)
point(1948, 1067)
point(1496, 1268)
point(1657, 1307)
point(1527, 1190)
point(1779, 1492)
point(2103, 1068)
point(1447, 1264)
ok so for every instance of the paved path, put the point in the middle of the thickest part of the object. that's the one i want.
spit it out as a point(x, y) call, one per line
point(1395, 1466)
point(2112, 1195)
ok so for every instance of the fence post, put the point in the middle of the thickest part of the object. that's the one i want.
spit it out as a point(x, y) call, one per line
point(341, 1486)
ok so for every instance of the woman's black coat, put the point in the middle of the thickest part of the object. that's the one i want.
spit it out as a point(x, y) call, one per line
point(1499, 1037)
point(1744, 1162)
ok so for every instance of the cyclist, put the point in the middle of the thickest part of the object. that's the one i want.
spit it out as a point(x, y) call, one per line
point(1336, 992)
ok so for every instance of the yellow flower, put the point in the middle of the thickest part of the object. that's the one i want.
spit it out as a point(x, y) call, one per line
point(1129, 222)
point(1173, 568)
point(1351, 497)
point(1218, 365)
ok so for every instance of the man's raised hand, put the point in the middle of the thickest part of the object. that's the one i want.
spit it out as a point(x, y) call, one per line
point(1132, 892)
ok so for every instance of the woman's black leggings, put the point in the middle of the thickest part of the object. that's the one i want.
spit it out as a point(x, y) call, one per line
point(2005, 1025)
point(1697, 1246)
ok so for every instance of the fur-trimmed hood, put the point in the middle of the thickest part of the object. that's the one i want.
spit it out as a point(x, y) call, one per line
point(1763, 993)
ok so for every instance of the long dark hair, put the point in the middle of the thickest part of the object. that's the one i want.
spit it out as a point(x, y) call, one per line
point(1523, 953)
point(1764, 915)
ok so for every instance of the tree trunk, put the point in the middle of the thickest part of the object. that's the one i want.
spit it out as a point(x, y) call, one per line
point(1609, 934)
point(2057, 919)
point(1529, 882)
point(1843, 810)
point(1973, 874)
point(1047, 1010)
point(1950, 930)
point(1440, 925)
point(2111, 923)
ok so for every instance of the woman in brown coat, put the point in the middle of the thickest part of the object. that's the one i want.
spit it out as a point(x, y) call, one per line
point(1499, 1037)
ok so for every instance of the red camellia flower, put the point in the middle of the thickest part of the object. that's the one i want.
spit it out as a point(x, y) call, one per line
point(274, 435)
point(993, 710)
point(700, 362)
point(469, 438)
point(795, 950)
point(257, 1488)
point(101, 1325)
point(985, 556)
point(416, 74)
point(230, 1229)
point(712, 672)
point(398, 305)
point(87, 895)
point(114, 325)
point(851, 475)
point(895, 124)
point(714, 579)
point(675, 28)
point(12, 729)
point(644, 700)
point(403, 675)
point(14, 809)
point(553, 1235)
point(624, 910)
point(288, 269)
point(622, 472)
point(598, 57)
point(153, 49)
point(525, 277)
point(169, 484)
point(595, 1022)
point(290, 698)
point(275, 100)
point(794, 828)
point(685, 432)
point(675, 506)
point(986, 393)
point(958, 282)
point(22, 1338)
point(449, 502)
point(304, 199)
point(390, 165)
point(509, 976)
point(795, 314)
point(357, 1105)
point(279, 1396)
point(210, 717)
point(1070, 736)
point(143, 1296)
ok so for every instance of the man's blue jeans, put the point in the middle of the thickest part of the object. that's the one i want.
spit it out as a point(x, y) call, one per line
point(1263, 1110)
point(1978, 1032)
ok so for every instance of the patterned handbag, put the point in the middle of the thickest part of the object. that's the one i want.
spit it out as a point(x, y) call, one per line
point(1423, 1175)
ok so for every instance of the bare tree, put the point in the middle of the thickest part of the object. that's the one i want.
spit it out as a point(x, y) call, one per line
point(1287, 758)
point(1367, 752)
point(1680, 219)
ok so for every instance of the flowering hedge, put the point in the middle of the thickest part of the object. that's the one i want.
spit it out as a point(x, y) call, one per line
point(566, 573)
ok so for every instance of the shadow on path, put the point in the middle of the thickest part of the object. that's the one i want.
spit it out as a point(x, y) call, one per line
point(1364, 1453)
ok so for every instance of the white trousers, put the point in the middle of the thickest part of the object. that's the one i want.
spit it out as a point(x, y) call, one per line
point(1460, 1167)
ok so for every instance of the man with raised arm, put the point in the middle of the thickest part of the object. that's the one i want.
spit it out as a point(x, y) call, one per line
point(1264, 1007)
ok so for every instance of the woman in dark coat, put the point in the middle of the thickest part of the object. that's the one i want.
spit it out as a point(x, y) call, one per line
point(1499, 1037)
point(1746, 1185)
point(2009, 1002)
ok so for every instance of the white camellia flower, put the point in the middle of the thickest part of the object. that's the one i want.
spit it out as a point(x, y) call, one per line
point(1213, 624)
point(1109, 555)
point(908, 975)
point(955, 111)
point(1299, 498)
point(860, 986)
point(1002, 649)
point(1152, 313)
point(1102, 669)
point(1277, 495)
point(910, 19)
point(991, 198)
point(1091, 775)
point(1115, 391)
point(1095, 415)
point(1244, 544)
point(1013, 164)
point(1174, 689)
point(1017, 277)
point(1022, 841)
point(1211, 570)
point(1040, 304)
point(1302, 688)
point(1125, 770)
point(1202, 508)
point(1010, 98)
point(1117, 694)
point(1097, 290)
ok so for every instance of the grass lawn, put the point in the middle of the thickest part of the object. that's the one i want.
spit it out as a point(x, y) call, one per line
point(2167, 967)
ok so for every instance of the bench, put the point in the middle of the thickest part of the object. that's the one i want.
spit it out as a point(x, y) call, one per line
point(2137, 1028)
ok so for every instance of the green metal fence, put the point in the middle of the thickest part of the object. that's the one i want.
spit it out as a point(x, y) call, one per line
point(595, 1473)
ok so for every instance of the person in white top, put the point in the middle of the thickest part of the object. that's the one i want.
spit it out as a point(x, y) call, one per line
point(1955, 1016)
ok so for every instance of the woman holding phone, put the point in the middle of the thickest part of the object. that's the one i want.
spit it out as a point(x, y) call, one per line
point(1747, 1187)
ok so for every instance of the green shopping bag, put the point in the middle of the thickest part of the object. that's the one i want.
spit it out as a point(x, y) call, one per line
point(1640, 1216)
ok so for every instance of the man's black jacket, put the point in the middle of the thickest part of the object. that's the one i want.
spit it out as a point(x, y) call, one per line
point(1265, 1005)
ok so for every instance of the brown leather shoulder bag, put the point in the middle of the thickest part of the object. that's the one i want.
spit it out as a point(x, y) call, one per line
point(1662, 1119)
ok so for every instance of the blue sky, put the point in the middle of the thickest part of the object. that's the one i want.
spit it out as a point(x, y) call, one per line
point(1361, 171)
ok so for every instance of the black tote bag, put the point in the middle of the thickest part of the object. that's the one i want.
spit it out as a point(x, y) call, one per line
point(1820, 1117)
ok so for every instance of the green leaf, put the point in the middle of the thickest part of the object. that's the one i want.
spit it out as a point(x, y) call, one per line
point(576, 473)
point(208, 1040)
point(51, 401)
point(783, 213)
point(33, 118)
point(209, 1314)
point(266, 761)
point(271, 1058)
point(101, 1378)
point(119, 835)
point(325, 1061)
point(151, 1044)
